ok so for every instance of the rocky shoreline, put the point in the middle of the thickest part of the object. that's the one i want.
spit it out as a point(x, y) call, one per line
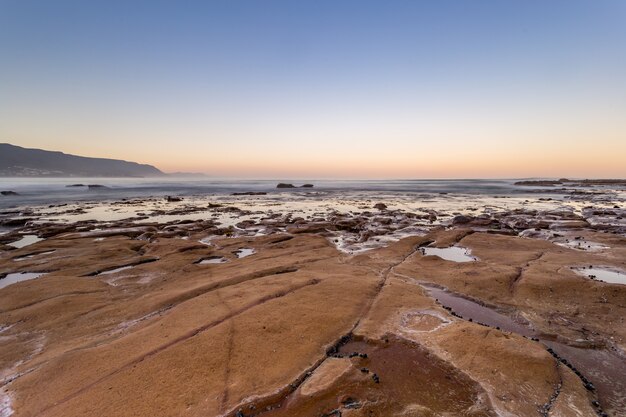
point(320, 305)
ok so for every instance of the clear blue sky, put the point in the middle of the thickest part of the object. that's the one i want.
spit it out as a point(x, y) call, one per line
point(322, 88)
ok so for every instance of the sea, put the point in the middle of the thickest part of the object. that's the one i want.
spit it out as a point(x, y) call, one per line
point(42, 191)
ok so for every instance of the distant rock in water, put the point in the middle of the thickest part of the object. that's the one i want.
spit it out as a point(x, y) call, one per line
point(540, 183)
point(285, 185)
point(8, 193)
point(16, 161)
point(600, 182)
point(96, 186)
point(76, 185)
point(565, 181)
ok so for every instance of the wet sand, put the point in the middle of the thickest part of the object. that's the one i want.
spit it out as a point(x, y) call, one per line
point(315, 304)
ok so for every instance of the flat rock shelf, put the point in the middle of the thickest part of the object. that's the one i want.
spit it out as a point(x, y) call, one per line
point(311, 303)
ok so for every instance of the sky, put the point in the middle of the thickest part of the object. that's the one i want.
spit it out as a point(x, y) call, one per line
point(322, 89)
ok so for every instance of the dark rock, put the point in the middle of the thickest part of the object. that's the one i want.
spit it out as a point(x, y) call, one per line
point(380, 206)
point(351, 225)
point(8, 193)
point(285, 185)
point(171, 199)
point(250, 193)
point(95, 186)
point(229, 209)
point(16, 222)
point(76, 185)
point(306, 186)
point(350, 402)
point(310, 228)
point(462, 219)
point(541, 183)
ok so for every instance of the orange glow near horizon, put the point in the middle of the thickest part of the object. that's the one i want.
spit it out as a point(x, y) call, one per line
point(378, 161)
point(309, 90)
point(485, 143)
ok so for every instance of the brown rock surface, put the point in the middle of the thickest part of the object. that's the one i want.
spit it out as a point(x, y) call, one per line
point(305, 327)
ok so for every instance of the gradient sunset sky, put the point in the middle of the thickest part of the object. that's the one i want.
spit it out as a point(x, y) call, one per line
point(387, 89)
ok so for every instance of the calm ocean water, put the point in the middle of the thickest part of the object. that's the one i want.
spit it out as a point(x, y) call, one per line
point(38, 191)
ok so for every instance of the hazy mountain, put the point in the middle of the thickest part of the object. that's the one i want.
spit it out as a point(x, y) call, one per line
point(16, 161)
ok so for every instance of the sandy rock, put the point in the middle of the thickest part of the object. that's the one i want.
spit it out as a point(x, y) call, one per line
point(301, 329)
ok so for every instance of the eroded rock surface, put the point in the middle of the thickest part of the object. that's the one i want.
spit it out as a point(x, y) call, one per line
point(128, 320)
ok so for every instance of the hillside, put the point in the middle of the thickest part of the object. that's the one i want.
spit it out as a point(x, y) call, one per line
point(16, 161)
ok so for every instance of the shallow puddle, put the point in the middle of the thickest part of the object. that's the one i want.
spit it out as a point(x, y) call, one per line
point(453, 253)
point(603, 274)
point(116, 270)
point(383, 378)
point(19, 276)
point(478, 313)
point(25, 241)
point(581, 244)
point(605, 370)
point(243, 252)
point(121, 268)
point(23, 258)
point(212, 260)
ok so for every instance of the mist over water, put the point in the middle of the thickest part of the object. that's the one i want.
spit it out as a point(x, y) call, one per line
point(38, 191)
